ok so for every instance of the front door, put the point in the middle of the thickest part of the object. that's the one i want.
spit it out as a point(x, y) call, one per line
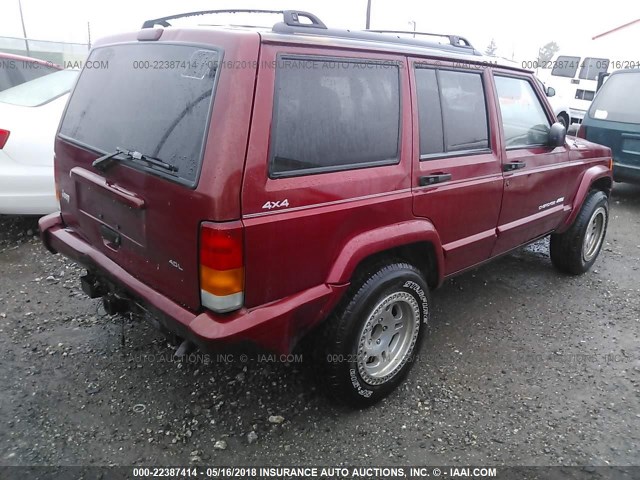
point(537, 177)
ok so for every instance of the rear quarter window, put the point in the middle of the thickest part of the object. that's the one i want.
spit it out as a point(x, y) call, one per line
point(334, 114)
point(617, 100)
point(151, 98)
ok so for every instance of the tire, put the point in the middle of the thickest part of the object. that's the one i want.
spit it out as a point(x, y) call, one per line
point(563, 118)
point(576, 250)
point(359, 363)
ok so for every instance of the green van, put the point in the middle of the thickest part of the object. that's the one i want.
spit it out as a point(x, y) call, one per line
point(613, 120)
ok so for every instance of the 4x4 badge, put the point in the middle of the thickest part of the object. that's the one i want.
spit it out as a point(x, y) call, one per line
point(279, 204)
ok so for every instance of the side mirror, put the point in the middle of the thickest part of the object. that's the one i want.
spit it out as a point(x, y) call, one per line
point(551, 91)
point(602, 76)
point(557, 135)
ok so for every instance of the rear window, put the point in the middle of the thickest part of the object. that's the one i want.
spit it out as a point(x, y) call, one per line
point(617, 100)
point(332, 114)
point(151, 98)
point(15, 71)
point(565, 66)
point(41, 90)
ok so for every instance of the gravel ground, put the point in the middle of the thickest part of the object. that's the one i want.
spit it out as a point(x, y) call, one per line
point(522, 366)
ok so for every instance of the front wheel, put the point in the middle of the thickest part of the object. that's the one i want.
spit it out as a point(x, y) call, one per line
point(369, 344)
point(577, 249)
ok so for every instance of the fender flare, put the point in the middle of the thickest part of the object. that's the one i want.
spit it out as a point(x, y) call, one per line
point(384, 238)
point(590, 176)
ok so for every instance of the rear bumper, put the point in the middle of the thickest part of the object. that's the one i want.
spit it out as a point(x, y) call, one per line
point(276, 326)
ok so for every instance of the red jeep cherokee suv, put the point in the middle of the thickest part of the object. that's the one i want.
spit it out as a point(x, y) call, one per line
point(254, 185)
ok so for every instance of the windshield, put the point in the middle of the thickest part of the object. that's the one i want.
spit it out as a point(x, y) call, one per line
point(41, 90)
point(616, 101)
point(152, 98)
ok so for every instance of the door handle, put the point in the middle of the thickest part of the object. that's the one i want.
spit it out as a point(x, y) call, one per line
point(433, 179)
point(510, 167)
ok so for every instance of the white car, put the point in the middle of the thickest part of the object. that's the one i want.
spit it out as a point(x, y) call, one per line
point(560, 107)
point(559, 104)
point(29, 118)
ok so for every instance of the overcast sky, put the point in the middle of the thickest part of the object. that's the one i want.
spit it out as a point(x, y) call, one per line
point(519, 28)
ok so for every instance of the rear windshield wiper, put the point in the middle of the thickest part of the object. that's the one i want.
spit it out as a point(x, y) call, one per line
point(109, 159)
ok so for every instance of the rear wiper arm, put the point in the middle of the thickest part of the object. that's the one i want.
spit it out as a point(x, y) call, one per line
point(107, 160)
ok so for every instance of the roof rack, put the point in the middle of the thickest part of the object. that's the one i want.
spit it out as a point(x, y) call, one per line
point(457, 44)
point(292, 25)
point(291, 17)
point(454, 40)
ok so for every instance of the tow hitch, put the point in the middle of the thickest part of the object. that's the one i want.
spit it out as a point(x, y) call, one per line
point(113, 303)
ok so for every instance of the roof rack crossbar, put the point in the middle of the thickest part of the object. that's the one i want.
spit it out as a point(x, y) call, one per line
point(291, 17)
point(454, 40)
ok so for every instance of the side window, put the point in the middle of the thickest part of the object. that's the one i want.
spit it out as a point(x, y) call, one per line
point(334, 114)
point(452, 112)
point(464, 111)
point(429, 112)
point(523, 118)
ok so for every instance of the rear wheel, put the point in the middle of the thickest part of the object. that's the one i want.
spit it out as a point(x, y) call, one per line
point(577, 249)
point(369, 344)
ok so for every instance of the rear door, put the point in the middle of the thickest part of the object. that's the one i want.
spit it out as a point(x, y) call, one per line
point(538, 179)
point(457, 184)
point(156, 98)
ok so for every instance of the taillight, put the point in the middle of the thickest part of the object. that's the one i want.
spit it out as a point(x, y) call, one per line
point(582, 131)
point(4, 136)
point(221, 266)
